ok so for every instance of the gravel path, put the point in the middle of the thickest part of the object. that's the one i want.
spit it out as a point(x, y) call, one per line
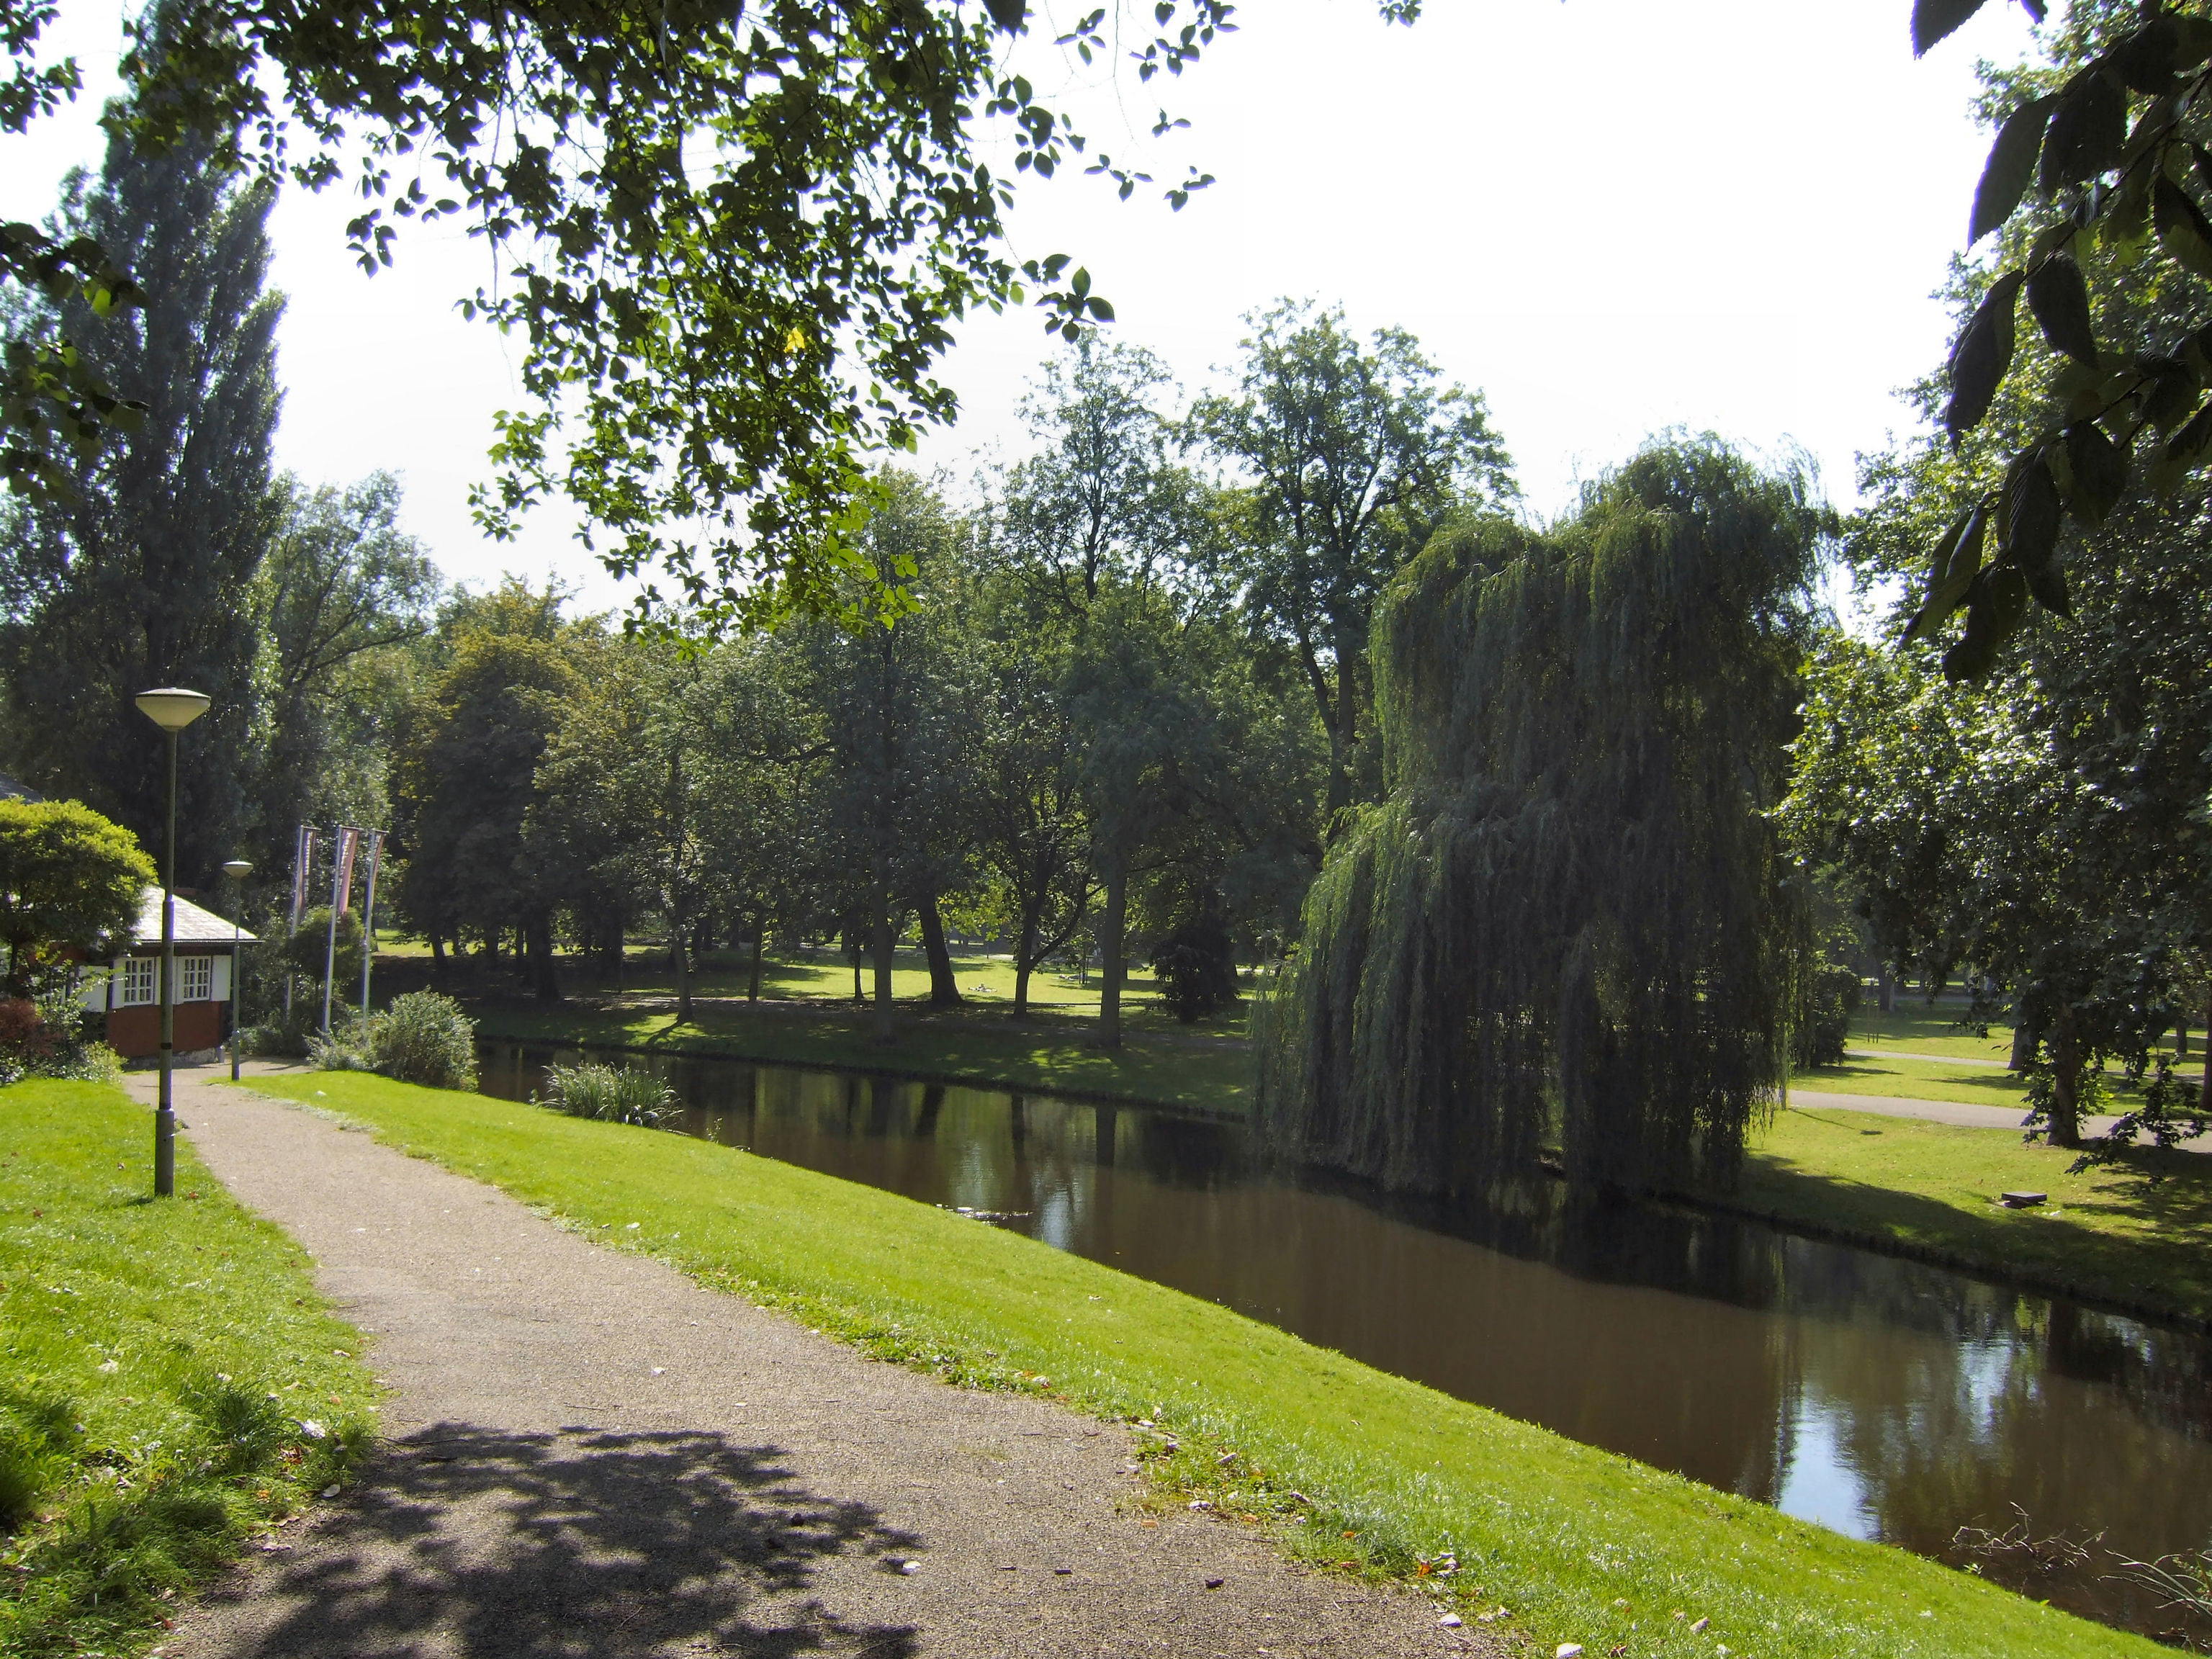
point(588, 1455)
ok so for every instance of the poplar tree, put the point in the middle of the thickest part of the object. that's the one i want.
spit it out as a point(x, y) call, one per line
point(141, 575)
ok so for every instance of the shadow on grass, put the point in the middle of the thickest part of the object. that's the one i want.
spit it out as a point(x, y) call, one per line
point(604, 1543)
point(2164, 1271)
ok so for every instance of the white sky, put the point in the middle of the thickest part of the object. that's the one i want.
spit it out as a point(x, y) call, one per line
point(1613, 216)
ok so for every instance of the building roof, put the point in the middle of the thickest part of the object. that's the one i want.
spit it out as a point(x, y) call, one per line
point(194, 924)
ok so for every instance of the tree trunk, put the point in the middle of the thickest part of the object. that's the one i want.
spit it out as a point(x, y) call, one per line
point(943, 989)
point(1025, 945)
point(2023, 1043)
point(2204, 1088)
point(853, 950)
point(2065, 1129)
point(886, 1023)
point(753, 968)
point(1885, 991)
point(1112, 941)
point(539, 940)
point(437, 949)
point(680, 938)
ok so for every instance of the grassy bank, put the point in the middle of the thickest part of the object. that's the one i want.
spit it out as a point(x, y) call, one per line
point(1056, 1057)
point(162, 1364)
point(1350, 1465)
point(2134, 1234)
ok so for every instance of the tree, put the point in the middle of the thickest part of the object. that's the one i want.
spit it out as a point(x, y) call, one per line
point(1570, 915)
point(612, 156)
point(1026, 804)
point(1100, 501)
point(467, 768)
point(2094, 182)
point(1353, 458)
point(70, 880)
point(343, 592)
point(142, 576)
point(894, 714)
point(1974, 844)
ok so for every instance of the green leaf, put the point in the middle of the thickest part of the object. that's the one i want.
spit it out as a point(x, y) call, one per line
point(2148, 60)
point(2033, 514)
point(2060, 300)
point(1982, 355)
point(1934, 19)
point(2182, 228)
point(2188, 449)
point(2010, 167)
point(2088, 130)
point(1952, 569)
point(1008, 15)
point(2032, 518)
point(1995, 609)
point(2171, 393)
point(2099, 468)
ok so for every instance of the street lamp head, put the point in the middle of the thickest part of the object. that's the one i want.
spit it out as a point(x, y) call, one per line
point(237, 869)
point(171, 708)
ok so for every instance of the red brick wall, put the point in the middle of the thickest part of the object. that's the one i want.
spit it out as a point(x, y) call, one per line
point(136, 1033)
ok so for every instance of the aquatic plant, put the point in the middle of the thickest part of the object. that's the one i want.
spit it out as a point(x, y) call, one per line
point(1571, 916)
point(611, 1094)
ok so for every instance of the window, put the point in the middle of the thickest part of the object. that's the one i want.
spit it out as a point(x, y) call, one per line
point(196, 979)
point(139, 983)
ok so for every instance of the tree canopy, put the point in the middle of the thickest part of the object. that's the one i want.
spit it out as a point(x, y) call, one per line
point(69, 880)
point(1571, 916)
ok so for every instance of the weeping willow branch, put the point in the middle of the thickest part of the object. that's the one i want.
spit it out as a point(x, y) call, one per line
point(1570, 918)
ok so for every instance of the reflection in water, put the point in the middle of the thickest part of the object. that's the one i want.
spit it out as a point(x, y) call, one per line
point(1880, 1397)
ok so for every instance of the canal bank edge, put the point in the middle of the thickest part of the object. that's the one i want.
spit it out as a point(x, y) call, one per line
point(1988, 1249)
point(1338, 1460)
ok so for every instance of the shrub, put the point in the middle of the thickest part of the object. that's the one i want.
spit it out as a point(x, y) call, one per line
point(1196, 967)
point(425, 1038)
point(346, 1047)
point(422, 1037)
point(610, 1094)
point(1832, 992)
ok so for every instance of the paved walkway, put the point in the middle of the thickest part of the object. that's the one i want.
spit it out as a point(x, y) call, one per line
point(589, 1456)
point(1950, 1111)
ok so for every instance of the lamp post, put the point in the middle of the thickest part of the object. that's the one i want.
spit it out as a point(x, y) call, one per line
point(173, 708)
point(237, 870)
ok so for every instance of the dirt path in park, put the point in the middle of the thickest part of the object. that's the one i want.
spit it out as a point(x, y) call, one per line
point(586, 1453)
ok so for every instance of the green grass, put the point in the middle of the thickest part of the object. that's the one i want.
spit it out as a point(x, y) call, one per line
point(1580, 1544)
point(157, 1362)
point(1055, 1057)
point(1918, 1079)
point(2135, 1234)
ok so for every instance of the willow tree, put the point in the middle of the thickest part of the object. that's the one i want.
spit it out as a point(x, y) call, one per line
point(1570, 917)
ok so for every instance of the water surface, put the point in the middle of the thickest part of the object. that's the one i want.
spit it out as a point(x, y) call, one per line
point(1884, 1398)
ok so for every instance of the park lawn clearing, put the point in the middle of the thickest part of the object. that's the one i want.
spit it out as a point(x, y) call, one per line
point(1149, 1069)
point(1921, 1079)
point(1348, 1465)
point(171, 1382)
point(2137, 1235)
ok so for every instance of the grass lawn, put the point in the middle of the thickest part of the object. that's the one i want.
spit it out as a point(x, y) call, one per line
point(162, 1363)
point(2136, 1234)
point(1347, 1464)
point(1920, 1079)
point(1052, 1056)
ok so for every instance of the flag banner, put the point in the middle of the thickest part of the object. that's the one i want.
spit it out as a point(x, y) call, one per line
point(349, 847)
point(368, 879)
point(303, 859)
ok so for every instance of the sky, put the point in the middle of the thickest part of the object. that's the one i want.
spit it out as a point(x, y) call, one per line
point(1611, 216)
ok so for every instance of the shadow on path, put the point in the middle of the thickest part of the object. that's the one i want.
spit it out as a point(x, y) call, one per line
point(462, 1540)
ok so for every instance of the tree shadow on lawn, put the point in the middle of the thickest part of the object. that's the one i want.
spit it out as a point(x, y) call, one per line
point(595, 1543)
point(2167, 1193)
